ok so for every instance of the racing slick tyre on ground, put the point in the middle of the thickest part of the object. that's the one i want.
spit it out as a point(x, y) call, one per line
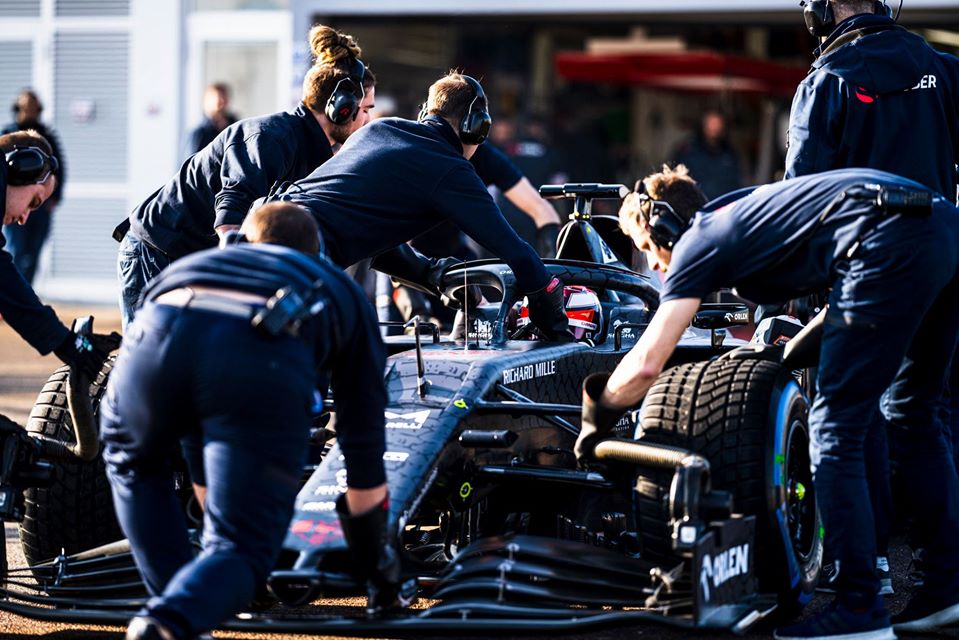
point(75, 512)
point(749, 419)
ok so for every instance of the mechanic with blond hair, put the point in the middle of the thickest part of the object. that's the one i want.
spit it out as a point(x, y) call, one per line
point(214, 189)
point(195, 366)
point(396, 178)
point(888, 248)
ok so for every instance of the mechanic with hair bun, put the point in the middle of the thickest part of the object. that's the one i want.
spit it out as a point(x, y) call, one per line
point(28, 177)
point(194, 365)
point(214, 188)
point(396, 179)
point(888, 248)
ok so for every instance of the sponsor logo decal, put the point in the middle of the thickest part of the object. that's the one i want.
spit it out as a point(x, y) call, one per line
point(725, 566)
point(529, 371)
point(412, 420)
point(926, 82)
point(318, 506)
point(316, 531)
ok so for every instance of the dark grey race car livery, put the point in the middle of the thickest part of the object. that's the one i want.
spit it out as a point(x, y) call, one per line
point(700, 512)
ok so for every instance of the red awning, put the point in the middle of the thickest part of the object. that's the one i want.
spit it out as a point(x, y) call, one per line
point(694, 71)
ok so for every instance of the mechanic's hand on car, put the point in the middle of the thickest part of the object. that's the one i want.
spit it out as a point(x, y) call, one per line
point(598, 419)
point(472, 296)
point(546, 237)
point(547, 310)
point(87, 354)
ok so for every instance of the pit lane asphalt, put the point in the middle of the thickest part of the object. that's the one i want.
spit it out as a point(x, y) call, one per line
point(22, 374)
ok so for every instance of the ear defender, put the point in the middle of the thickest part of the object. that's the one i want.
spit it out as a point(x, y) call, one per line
point(475, 125)
point(344, 103)
point(29, 165)
point(820, 19)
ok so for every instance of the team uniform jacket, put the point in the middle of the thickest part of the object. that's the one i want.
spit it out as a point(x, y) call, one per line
point(343, 336)
point(885, 100)
point(218, 184)
point(395, 179)
point(19, 305)
point(771, 244)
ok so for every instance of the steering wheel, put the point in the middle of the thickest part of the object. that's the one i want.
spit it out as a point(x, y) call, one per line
point(496, 274)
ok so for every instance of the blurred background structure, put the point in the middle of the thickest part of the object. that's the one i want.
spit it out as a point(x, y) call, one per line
point(583, 90)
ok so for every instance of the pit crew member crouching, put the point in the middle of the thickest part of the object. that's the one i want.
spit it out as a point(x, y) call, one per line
point(887, 248)
point(394, 179)
point(193, 366)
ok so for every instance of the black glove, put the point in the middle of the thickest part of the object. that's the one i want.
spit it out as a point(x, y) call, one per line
point(374, 555)
point(547, 310)
point(546, 237)
point(87, 354)
point(471, 295)
point(597, 420)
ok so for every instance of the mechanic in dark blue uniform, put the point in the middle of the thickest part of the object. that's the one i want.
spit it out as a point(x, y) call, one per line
point(395, 179)
point(892, 319)
point(215, 187)
point(877, 96)
point(28, 177)
point(193, 367)
point(495, 169)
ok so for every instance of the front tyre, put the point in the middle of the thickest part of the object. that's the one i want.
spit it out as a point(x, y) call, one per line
point(749, 418)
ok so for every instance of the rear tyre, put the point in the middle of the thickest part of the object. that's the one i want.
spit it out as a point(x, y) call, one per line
point(749, 419)
point(75, 512)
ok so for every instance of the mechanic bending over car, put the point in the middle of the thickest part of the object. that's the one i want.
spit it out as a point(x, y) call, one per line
point(889, 251)
point(495, 169)
point(28, 176)
point(396, 178)
point(194, 366)
point(214, 188)
point(880, 97)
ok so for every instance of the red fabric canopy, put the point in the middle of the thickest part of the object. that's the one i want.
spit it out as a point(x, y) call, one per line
point(695, 71)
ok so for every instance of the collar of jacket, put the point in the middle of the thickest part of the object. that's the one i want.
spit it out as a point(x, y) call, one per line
point(870, 21)
point(445, 129)
point(316, 133)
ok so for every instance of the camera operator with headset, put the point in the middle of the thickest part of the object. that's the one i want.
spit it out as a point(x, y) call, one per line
point(28, 177)
point(396, 178)
point(216, 355)
point(877, 96)
point(214, 188)
point(888, 248)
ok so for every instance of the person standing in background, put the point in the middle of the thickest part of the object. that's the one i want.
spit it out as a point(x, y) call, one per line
point(25, 240)
point(710, 157)
point(216, 102)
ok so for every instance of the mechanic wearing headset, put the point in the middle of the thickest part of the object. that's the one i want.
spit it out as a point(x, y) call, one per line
point(495, 169)
point(889, 252)
point(193, 364)
point(877, 96)
point(214, 188)
point(396, 178)
point(28, 176)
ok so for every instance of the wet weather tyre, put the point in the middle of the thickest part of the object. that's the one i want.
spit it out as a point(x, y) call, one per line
point(75, 512)
point(749, 419)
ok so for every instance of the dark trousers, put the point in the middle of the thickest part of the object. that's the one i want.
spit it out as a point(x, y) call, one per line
point(184, 374)
point(137, 264)
point(25, 241)
point(893, 323)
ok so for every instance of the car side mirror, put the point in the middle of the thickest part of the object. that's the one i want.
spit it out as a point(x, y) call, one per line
point(721, 315)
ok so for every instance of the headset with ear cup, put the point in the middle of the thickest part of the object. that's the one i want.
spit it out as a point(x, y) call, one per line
point(29, 165)
point(665, 225)
point(475, 125)
point(344, 103)
point(821, 20)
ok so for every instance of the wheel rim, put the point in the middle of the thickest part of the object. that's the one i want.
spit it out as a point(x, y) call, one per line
point(800, 495)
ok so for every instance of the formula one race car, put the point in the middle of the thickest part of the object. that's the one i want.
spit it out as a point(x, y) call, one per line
point(699, 512)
